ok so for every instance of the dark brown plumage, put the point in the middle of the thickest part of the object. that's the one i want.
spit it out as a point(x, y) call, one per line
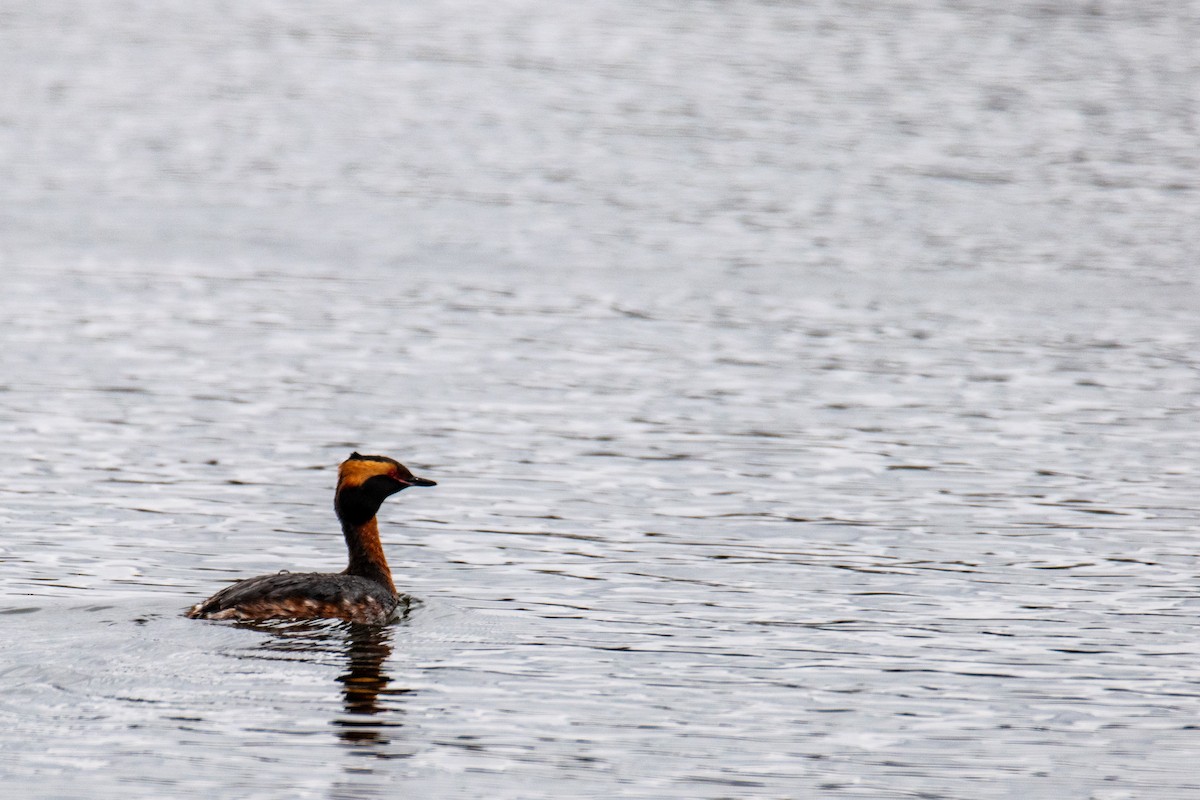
point(363, 592)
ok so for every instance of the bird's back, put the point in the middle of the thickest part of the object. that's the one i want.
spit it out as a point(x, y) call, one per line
point(300, 595)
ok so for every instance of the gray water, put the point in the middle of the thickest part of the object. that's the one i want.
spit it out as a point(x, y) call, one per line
point(811, 389)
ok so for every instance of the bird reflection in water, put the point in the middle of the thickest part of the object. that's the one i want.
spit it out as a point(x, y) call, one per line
point(368, 698)
point(364, 686)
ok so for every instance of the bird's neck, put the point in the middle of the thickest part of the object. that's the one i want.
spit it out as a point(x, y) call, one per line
point(366, 553)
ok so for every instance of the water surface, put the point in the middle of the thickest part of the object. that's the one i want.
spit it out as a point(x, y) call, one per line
point(810, 389)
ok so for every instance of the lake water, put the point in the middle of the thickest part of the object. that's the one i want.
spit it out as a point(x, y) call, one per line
point(812, 391)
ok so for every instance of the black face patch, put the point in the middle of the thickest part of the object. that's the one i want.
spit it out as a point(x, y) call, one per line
point(357, 504)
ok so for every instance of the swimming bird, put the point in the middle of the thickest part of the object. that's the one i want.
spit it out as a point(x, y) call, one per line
point(363, 592)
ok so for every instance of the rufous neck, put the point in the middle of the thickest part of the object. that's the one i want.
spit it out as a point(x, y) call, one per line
point(367, 559)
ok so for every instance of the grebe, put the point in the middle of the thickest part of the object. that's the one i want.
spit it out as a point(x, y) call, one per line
point(363, 592)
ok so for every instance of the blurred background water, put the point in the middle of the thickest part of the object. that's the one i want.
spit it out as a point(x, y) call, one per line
point(811, 389)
